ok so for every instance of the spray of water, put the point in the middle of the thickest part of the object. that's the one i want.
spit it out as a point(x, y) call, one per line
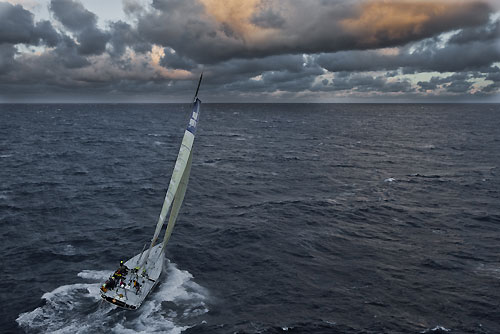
point(176, 304)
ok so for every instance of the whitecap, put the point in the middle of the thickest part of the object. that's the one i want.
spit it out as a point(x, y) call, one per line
point(437, 328)
point(391, 179)
point(68, 250)
point(331, 201)
point(78, 308)
point(489, 270)
point(94, 275)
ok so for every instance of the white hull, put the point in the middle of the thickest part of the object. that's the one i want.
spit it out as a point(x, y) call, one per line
point(129, 297)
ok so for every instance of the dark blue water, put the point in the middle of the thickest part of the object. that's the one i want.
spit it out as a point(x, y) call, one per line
point(303, 218)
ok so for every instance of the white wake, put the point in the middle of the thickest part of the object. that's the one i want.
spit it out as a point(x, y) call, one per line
point(77, 308)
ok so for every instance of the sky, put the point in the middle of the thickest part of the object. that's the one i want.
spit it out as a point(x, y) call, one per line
point(250, 50)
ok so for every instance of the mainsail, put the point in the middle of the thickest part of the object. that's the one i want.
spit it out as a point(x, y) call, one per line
point(178, 182)
point(179, 197)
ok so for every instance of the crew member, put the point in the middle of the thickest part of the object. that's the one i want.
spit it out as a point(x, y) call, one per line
point(137, 286)
point(121, 271)
point(123, 268)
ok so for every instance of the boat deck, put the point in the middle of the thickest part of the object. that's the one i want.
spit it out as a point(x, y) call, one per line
point(125, 294)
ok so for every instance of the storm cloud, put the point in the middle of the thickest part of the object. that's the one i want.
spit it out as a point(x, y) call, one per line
point(17, 26)
point(219, 31)
point(269, 49)
point(82, 23)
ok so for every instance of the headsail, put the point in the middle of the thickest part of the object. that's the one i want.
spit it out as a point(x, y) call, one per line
point(180, 176)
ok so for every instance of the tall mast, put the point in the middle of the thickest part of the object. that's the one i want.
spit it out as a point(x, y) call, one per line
point(198, 88)
point(180, 176)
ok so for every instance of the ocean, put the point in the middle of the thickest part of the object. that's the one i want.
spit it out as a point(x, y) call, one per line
point(299, 218)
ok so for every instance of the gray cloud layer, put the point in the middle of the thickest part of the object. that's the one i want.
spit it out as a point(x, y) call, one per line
point(83, 24)
point(17, 26)
point(267, 48)
point(327, 27)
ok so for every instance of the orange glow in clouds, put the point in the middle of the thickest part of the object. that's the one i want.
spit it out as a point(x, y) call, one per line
point(371, 22)
point(394, 20)
point(237, 15)
point(157, 54)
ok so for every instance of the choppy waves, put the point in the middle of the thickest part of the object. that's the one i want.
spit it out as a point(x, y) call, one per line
point(298, 218)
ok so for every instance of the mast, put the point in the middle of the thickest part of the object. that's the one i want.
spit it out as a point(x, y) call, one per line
point(198, 88)
point(180, 175)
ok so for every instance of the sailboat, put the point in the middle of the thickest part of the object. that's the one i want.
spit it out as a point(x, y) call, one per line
point(134, 280)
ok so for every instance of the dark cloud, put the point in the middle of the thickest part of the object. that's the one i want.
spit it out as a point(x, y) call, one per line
point(73, 15)
point(183, 26)
point(291, 81)
point(387, 23)
point(174, 61)
point(493, 88)
point(92, 41)
point(123, 35)
point(17, 26)
point(7, 52)
point(495, 76)
point(460, 83)
point(67, 53)
point(217, 34)
point(427, 56)
point(244, 69)
point(397, 86)
point(47, 33)
point(486, 32)
point(364, 83)
point(459, 86)
point(268, 18)
point(254, 48)
point(83, 23)
point(432, 84)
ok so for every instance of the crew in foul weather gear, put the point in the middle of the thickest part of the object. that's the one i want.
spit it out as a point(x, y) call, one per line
point(109, 284)
point(123, 268)
point(137, 286)
point(117, 274)
point(122, 271)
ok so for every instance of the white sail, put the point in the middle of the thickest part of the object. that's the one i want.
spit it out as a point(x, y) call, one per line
point(179, 197)
point(181, 167)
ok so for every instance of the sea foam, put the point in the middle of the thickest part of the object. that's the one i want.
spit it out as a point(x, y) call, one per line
point(78, 308)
